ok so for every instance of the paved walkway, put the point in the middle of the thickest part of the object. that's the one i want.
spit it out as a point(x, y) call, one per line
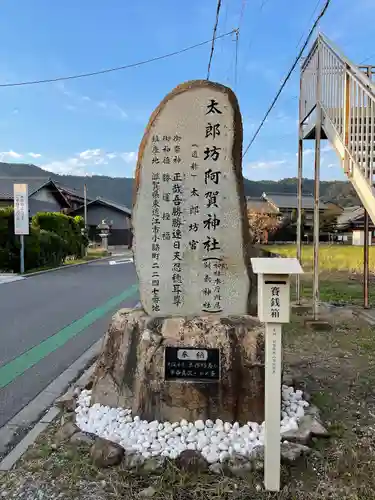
point(367, 314)
point(9, 278)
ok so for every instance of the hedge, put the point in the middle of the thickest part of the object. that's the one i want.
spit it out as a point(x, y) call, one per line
point(53, 237)
point(68, 228)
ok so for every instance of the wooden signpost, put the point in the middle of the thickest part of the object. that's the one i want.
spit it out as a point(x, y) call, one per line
point(273, 310)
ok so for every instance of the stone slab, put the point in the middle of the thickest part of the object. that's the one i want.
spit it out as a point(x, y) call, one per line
point(318, 325)
point(191, 234)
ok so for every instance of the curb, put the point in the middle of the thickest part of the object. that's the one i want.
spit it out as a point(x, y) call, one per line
point(363, 314)
point(26, 275)
point(31, 412)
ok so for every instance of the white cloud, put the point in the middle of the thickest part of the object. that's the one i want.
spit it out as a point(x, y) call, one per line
point(9, 155)
point(90, 153)
point(265, 165)
point(70, 166)
point(34, 155)
point(129, 157)
point(84, 163)
point(109, 107)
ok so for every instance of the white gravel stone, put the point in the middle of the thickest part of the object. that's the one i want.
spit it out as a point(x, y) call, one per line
point(217, 440)
point(199, 424)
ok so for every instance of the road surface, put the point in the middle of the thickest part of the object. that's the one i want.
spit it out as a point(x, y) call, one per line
point(47, 322)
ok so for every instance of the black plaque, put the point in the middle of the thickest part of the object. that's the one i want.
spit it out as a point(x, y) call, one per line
point(192, 363)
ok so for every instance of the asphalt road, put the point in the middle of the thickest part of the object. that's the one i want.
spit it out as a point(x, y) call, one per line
point(47, 322)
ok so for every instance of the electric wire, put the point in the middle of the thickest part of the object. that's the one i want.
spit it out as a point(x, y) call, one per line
point(213, 39)
point(118, 68)
point(323, 11)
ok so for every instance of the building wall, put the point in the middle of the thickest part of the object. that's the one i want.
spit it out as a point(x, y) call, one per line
point(96, 213)
point(359, 238)
point(45, 194)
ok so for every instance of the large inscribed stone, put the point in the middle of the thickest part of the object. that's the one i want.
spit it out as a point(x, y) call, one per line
point(189, 218)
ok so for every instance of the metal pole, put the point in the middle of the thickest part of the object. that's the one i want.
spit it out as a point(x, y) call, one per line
point(366, 273)
point(299, 189)
point(318, 127)
point(366, 262)
point(22, 254)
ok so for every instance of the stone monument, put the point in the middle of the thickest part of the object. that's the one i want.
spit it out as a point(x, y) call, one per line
point(192, 351)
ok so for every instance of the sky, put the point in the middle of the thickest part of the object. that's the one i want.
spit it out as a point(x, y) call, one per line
point(94, 125)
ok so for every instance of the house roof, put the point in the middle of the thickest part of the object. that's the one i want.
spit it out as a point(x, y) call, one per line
point(6, 185)
point(290, 200)
point(349, 215)
point(55, 190)
point(79, 193)
point(107, 203)
point(259, 205)
point(34, 185)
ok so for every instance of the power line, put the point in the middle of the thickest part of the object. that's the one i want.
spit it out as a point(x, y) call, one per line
point(323, 11)
point(118, 68)
point(213, 38)
point(236, 61)
point(367, 58)
point(243, 5)
point(260, 9)
point(308, 22)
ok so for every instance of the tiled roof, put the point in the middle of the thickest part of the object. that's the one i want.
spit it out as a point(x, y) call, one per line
point(108, 203)
point(6, 185)
point(259, 205)
point(290, 200)
point(349, 215)
point(72, 191)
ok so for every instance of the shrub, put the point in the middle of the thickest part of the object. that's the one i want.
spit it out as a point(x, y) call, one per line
point(67, 228)
point(51, 249)
point(52, 238)
point(9, 243)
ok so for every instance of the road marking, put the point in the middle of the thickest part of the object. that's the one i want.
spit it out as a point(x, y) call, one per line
point(28, 359)
point(123, 261)
point(9, 279)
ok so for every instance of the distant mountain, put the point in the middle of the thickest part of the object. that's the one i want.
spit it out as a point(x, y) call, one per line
point(120, 189)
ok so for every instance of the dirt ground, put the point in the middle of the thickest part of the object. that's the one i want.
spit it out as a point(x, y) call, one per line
point(335, 367)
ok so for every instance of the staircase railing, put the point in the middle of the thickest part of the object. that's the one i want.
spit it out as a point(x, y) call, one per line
point(347, 101)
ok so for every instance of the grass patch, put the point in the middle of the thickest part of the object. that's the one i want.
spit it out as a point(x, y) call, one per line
point(91, 255)
point(340, 272)
point(336, 287)
point(336, 368)
point(331, 257)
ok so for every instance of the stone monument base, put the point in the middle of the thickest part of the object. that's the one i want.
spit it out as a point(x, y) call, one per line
point(131, 370)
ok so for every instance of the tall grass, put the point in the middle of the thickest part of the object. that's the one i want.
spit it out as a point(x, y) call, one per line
point(331, 257)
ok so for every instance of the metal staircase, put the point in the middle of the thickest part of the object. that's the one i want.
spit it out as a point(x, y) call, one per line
point(338, 98)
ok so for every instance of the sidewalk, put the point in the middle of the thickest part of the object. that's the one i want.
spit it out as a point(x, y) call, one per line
point(9, 278)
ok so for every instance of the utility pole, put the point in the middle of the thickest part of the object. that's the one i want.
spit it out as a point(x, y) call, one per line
point(85, 210)
point(85, 204)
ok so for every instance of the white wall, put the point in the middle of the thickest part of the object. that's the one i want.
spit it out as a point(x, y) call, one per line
point(359, 236)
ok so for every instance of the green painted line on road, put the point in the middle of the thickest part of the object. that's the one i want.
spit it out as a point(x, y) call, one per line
point(19, 365)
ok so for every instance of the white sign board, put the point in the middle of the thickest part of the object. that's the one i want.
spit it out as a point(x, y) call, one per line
point(21, 208)
point(273, 310)
point(274, 298)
